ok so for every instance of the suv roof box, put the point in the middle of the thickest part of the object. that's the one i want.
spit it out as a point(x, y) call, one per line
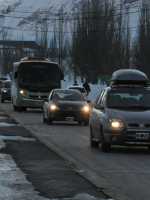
point(130, 76)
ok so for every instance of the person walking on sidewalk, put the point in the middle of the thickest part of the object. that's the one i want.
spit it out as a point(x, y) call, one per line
point(75, 83)
point(87, 87)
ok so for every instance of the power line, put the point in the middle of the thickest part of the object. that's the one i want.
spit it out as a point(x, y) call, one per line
point(45, 18)
point(79, 31)
point(73, 12)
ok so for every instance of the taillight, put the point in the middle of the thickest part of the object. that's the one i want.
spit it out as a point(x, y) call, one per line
point(85, 95)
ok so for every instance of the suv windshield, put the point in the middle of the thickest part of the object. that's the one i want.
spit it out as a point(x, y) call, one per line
point(131, 98)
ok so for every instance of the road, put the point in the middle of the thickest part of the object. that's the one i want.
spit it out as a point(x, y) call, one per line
point(123, 174)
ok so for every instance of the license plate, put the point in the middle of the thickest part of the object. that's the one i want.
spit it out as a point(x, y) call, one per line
point(39, 103)
point(70, 119)
point(142, 135)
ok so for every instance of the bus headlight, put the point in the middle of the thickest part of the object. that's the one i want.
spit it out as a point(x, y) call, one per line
point(22, 92)
point(53, 107)
point(116, 123)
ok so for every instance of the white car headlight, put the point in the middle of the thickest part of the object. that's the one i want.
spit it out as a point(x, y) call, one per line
point(116, 123)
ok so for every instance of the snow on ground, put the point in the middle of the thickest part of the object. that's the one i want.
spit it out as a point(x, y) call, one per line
point(95, 89)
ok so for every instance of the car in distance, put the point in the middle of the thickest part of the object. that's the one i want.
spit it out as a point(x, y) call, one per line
point(80, 88)
point(1, 80)
point(121, 112)
point(6, 91)
point(66, 105)
point(1, 83)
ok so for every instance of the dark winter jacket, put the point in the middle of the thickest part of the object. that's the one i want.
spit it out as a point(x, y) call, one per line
point(87, 87)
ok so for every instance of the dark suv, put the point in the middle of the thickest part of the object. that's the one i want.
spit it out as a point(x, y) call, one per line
point(121, 114)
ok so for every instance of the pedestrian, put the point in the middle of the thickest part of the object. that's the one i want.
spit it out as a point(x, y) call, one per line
point(75, 83)
point(87, 87)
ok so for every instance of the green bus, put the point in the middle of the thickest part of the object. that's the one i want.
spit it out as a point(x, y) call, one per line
point(32, 81)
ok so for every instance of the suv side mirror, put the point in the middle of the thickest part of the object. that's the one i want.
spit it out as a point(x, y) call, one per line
point(88, 101)
point(98, 106)
point(16, 75)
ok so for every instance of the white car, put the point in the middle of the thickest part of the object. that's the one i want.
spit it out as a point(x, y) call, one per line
point(80, 88)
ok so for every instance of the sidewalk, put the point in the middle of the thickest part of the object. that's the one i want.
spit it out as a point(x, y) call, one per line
point(36, 172)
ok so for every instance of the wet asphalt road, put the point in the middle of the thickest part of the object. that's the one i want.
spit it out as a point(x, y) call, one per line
point(49, 175)
point(123, 174)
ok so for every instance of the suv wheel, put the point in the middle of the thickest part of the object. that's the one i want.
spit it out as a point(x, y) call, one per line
point(2, 100)
point(92, 142)
point(105, 147)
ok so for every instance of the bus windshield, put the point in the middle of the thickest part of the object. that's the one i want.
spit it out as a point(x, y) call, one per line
point(40, 75)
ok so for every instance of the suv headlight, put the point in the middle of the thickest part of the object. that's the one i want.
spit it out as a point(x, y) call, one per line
point(116, 123)
point(5, 90)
